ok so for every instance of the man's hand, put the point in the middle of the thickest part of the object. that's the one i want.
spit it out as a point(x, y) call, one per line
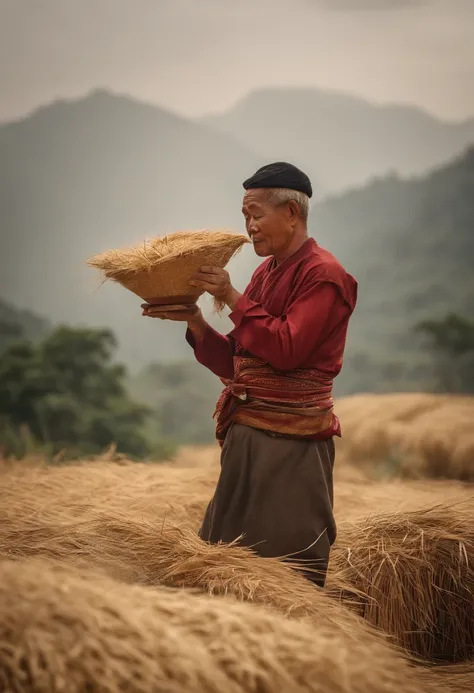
point(216, 281)
point(177, 313)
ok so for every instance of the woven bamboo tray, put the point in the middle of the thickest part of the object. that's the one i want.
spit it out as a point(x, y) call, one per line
point(159, 270)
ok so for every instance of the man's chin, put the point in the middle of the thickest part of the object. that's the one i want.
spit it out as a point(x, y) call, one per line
point(261, 250)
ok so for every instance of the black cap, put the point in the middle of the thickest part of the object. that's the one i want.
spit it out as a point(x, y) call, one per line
point(280, 175)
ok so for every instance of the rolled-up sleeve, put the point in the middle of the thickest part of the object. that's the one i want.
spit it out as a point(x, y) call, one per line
point(214, 351)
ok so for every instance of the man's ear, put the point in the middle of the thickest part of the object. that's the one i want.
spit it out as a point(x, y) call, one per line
point(294, 212)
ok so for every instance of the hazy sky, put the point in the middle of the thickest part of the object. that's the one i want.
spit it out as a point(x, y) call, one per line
point(198, 56)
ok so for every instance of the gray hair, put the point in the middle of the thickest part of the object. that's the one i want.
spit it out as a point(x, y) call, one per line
point(280, 196)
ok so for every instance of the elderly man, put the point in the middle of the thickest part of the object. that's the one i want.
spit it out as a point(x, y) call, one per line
point(275, 419)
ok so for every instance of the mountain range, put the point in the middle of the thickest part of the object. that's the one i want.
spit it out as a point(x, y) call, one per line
point(339, 139)
point(82, 176)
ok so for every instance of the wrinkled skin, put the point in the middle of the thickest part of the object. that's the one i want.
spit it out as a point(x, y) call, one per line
point(273, 230)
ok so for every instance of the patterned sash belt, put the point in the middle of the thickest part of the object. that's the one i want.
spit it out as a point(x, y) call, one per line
point(297, 403)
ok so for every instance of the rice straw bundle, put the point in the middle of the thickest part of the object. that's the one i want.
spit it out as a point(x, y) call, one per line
point(439, 443)
point(147, 491)
point(129, 548)
point(453, 678)
point(159, 270)
point(136, 551)
point(68, 630)
point(410, 435)
point(355, 500)
point(412, 576)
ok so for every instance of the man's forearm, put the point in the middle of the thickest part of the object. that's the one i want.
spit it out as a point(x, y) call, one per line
point(197, 326)
point(211, 349)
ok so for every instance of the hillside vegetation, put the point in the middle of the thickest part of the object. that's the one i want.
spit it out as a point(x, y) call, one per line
point(410, 243)
point(20, 324)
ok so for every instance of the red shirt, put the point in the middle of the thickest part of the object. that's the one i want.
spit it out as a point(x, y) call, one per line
point(292, 315)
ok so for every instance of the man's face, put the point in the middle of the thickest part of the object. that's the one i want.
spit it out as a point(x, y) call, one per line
point(268, 226)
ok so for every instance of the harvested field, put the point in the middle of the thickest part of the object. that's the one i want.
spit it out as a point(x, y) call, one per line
point(356, 500)
point(410, 435)
point(144, 491)
point(400, 572)
point(412, 575)
point(179, 493)
point(450, 678)
point(76, 631)
point(155, 554)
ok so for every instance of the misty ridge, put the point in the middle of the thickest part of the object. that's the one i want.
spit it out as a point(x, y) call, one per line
point(340, 140)
point(393, 200)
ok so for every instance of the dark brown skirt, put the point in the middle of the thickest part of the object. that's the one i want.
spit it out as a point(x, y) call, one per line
point(278, 493)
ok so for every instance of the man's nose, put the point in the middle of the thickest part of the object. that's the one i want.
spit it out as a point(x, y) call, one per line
point(251, 229)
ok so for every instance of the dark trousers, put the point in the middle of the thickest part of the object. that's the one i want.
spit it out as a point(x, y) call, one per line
point(278, 493)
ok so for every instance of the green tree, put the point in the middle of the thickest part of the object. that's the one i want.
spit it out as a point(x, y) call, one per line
point(9, 330)
point(18, 324)
point(69, 394)
point(451, 344)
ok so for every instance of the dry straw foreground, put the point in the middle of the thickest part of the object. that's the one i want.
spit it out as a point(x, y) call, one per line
point(153, 492)
point(454, 678)
point(412, 575)
point(401, 572)
point(136, 551)
point(159, 270)
point(64, 630)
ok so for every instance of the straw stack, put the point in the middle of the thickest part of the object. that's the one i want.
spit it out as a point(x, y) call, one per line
point(159, 270)
point(412, 575)
point(135, 551)
point(67, 630)
point(453, 678)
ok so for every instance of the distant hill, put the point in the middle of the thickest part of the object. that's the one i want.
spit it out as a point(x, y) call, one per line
point(410, 244)
point(341, 140)
point(78, 177)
